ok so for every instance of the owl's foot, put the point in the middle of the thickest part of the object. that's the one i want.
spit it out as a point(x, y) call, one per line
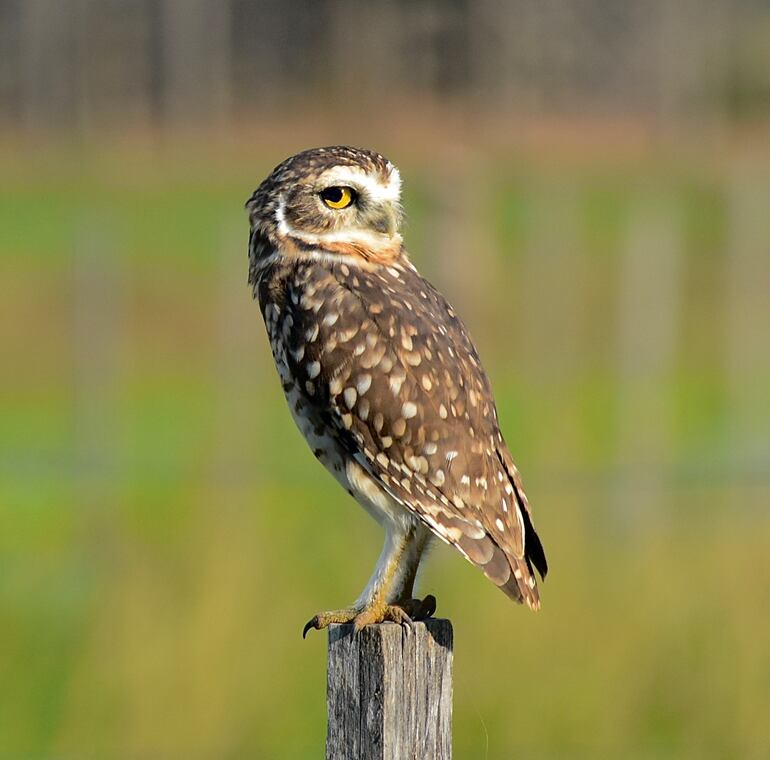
point(419, 609)
point(325, 619)
point(403, 613)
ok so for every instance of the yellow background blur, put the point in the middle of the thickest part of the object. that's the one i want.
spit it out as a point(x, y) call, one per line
point(589, 185)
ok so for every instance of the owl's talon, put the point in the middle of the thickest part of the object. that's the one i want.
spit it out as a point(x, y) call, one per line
point(428, 607)
point(325, 619)
point(420, 609)
point(392, 613)
point(398, 615)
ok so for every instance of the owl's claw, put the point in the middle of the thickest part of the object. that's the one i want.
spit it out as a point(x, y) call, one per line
point(312, 623)
point(393, 613)
point(325, 619)
point(420, 609)
point(403, 613)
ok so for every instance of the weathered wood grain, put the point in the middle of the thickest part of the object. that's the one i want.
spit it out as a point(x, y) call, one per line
point(389, 692)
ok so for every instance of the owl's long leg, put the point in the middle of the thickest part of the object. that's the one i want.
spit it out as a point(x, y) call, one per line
point(402, 591)
point(383, 597)
point(411, 562)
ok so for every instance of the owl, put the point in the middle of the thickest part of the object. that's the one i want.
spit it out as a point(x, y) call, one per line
point(384, 381)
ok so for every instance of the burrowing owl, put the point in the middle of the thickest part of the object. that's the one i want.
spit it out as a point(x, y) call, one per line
point(384, 381)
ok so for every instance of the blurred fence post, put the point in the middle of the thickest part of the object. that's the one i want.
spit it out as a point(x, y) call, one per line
point(48, 63)
point(98, 340)
point(389, 692)
point(747, 291)
point(197, 60)
point(650, 295)
point(554, 263)
point(234, 368)
point(458, 226)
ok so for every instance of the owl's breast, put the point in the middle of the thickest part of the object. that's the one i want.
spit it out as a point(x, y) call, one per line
point(308, 411)
point(311, 333)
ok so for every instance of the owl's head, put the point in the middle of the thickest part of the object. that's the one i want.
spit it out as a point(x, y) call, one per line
point(330, 198)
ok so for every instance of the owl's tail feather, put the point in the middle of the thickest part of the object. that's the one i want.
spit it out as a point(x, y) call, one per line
point(533, 548)
point(521, 586)
point(513, 575)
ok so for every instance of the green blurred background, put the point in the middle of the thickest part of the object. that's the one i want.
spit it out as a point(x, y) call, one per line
point(588, 183)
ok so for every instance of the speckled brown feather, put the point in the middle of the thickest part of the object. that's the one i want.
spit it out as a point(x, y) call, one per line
point(384, 360)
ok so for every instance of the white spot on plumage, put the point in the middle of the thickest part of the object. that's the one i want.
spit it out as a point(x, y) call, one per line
point(345, 335)
point(313, 369)
point(395, 382)
point(409, 410)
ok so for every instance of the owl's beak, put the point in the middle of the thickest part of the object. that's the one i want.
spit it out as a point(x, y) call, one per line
point(386, 220)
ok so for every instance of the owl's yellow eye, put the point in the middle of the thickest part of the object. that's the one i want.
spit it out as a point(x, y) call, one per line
point(337, 197)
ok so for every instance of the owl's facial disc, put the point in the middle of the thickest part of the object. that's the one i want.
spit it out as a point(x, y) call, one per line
point(355, 201)
point(343, 204)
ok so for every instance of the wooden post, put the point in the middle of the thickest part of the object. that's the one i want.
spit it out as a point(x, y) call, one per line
point(389, 692)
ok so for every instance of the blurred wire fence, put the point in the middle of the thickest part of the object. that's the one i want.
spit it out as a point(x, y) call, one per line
point(85, 63)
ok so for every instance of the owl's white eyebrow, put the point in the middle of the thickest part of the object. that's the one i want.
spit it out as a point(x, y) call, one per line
point(357, 178)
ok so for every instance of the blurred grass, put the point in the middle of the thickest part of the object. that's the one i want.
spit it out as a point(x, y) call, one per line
point(164, 533)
